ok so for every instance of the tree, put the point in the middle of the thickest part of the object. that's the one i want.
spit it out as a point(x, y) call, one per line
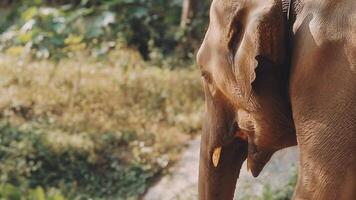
point(188, 12)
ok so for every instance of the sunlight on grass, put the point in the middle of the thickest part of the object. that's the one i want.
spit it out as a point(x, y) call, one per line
point(115, 123)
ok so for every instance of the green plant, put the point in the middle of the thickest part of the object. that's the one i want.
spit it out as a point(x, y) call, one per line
point(102, 129)
point(58, 30)
point(283, 193)
point(11, 192)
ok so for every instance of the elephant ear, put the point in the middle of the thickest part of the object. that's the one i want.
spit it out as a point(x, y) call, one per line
point(257, 36)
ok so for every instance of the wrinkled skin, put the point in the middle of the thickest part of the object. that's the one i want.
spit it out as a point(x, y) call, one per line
point(243, 65)
point(267, 81)
point(323, 97)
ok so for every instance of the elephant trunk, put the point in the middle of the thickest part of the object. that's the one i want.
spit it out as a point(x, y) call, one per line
point(219, 169)
point(221, 152)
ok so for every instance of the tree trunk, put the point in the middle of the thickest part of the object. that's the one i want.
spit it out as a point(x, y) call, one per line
point(188, 11)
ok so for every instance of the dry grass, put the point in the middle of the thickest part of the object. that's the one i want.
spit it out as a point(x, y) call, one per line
point(150, 111)
point(78, 96)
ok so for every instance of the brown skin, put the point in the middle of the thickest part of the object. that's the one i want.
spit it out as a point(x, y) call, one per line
point(249, 108)
point(324, 57)
point(245, 77)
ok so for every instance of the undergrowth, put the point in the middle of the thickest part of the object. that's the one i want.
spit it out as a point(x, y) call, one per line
point(283, 193)
point(98, 129)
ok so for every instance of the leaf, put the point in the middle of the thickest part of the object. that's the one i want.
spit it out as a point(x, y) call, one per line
point(40, 194)
point(58, 197)
point(94, 32)
point(56, 40)
point(25, 37)
point(73, 39)
point(141, 12)
point(10, 192)
point(38, 2)
point(29, 13)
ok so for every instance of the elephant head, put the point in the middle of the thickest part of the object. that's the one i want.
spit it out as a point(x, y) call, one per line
point(243, 62)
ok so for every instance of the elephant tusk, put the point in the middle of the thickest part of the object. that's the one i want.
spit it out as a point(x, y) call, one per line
point(216, 156)
point(248, 164)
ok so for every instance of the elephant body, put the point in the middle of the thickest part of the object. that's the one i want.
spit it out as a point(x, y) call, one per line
point(271, 83)
point(323, 97)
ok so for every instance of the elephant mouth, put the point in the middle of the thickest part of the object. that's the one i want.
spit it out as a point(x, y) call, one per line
point(255, 166)
point(239, 132)
point(256, 160)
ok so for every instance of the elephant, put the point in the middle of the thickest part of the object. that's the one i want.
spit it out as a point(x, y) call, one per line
point(279, 73)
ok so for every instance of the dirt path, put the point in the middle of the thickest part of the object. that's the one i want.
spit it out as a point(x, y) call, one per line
point(181, 183)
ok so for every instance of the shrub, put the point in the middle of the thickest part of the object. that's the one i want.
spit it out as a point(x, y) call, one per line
point(57, 30)
point(28, 158)
point(8, 191)
point(94, 129)
point(283, 193)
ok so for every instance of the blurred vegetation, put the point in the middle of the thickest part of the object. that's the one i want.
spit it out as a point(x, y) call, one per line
point(115, 108)
point(98, 129)
point(8, 191)
point(56, 29)
point(112, 112)
point(269, 192)
point(284, 193)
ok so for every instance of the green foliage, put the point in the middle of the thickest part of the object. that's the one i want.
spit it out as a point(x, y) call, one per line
point(284, 193)
point(57, 31)
point(28, 158)
point(100, 130)
point(11, 192)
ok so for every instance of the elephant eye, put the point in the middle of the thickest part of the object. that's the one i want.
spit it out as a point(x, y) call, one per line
point(207, 77)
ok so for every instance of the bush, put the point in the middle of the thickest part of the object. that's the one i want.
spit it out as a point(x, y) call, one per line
point(284, 193)
point(11, 192)
point(57, 30)
point(94, 129)
point(28, 158)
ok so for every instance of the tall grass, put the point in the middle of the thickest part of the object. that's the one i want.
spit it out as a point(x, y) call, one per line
point(102, 129)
